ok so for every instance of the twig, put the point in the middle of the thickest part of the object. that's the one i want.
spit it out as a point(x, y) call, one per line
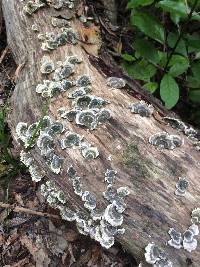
point(28, 211)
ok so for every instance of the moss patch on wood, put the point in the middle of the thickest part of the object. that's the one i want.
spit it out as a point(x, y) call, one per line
point(132, 158)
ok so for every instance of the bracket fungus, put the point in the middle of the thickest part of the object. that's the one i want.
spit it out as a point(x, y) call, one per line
point(155, 256)
point(115, 82)
point(187, 241)
point(142, 108)
point(59, 22)
point(164, 140)
point(56, 164)
point(181, 186)
point(47, 65)
point(71, 140)
point(195, 216)
point(33, 6)
point(83, 81)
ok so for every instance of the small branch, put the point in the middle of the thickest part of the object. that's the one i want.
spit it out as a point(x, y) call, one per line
point(28, 211)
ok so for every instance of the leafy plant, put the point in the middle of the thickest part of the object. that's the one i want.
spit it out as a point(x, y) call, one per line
point(165, 48)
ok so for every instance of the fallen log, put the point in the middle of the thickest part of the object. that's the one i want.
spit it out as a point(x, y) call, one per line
point(120, 143)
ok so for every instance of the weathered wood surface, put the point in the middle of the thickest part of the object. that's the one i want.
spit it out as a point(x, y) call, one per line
point(150, 174)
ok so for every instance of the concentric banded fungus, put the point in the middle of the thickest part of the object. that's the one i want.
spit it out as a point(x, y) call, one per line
point(26, 158)
point(164, 140)
point(89, 199)
point(71, 140)
point(56, 164)
point(112, 216)
point(67, 214)
point(21, 130)
point(83, 81)
point(36, 173)
point(110, 176)
point(189, 242)
point(69, 115)
point(79, 92)
point(32, 6)
point(123, 191)
point(47, 65)
point(90, 152)
point(63, 72)
point(115, 82)
point(181, 126)
point(110, 193)
point(103, 115)
point(176, 239)
point(57, 22)
point(66, 84)
point(86, 118)
point(195, 216)
point(49, 88)
point(142, 108)
point(155, 256)
point(77, 186)
point(45, 143)
point(74, 60)
point(25, 133)
point(181, 186)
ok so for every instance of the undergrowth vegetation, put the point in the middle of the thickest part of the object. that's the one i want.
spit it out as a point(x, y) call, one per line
point(165, 54)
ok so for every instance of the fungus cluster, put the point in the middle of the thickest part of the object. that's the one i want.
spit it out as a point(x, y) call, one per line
point(181, 186)
point(195, 216)
point(116, 82)
point(182, 127)
point(157, 257)
point(164, 140)
point(186, 241)
point(33, 6)
point(142, 108)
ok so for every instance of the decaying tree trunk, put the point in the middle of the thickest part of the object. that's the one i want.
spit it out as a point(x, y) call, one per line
point(150, 174)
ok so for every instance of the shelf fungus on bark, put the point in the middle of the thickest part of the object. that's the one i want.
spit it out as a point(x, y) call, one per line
point(59, 22)
point(79, 92)
point(115, 82)
point(51, 41)
point(181, 186)
point(73, 60)
point(157, 257)
point(89, 152)
point(58, 4)
point(182, 127)
point(36, 173)
point(176, 238)
point(89, 199)
point(142, 108)
point(83, 81)
point(56, 164)
point(195, 216)
point(187, 241)
point(110, 176)
point(33, 6)
point(71, 140)
point(47, 65)
point(49, 88)
point(164, 140)
point(25, 133)
point(63, 72)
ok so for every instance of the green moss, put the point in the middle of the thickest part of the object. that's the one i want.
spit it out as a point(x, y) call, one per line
point(133, 159)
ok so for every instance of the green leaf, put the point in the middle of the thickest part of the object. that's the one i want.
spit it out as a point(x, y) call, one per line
point(162, 58)
point(141, 70)
point(146, 50)
point(148, 25)
point(179, 65)
point(193, 42)
point(136, 3)
point(195, 68)
point(193, 82)
point(174, 7)
point(151, 87)
point(169, 91)
point(181, 47)
point(128, 57)
point(194, 96)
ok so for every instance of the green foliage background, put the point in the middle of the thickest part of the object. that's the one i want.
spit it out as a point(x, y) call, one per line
point(166, 49)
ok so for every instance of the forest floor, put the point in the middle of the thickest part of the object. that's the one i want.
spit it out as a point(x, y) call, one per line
point(31, 233)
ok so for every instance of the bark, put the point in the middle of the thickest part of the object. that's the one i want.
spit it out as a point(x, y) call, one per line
point(150, 174)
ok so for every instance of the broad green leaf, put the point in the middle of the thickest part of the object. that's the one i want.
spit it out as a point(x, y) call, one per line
point(193, 42)
point(151, 87)
point(146, 50)
point(136, 3)
point(193, 82)
point(141, 70)
point(174, 7)
point(149, 25)
point(179, 65)
point(195, 68)
point(128, 57)
point(194, 96)
point(162, 58)
point(181, 47)
point(169, 91)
